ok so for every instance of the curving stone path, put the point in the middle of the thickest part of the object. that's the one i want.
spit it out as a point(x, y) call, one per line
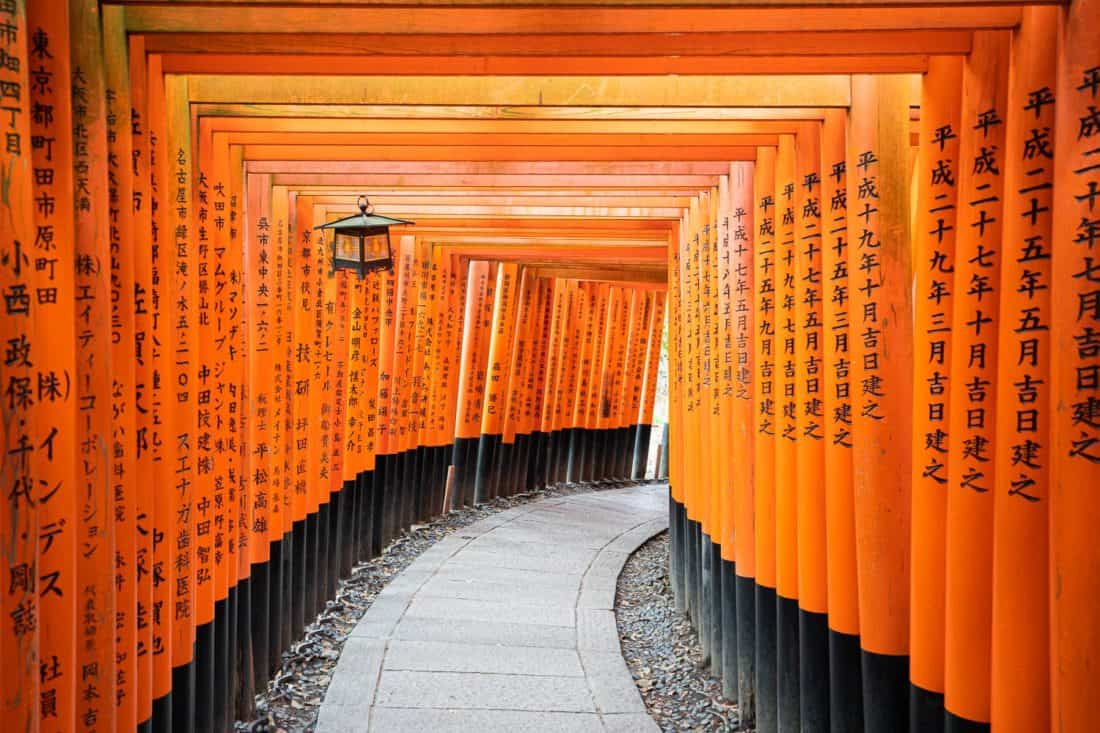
point(506, 625)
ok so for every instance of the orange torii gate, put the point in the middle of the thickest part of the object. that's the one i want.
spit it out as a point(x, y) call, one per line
point(196, 465)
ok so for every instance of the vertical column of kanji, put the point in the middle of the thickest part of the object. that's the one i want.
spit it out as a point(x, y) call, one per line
point(813, 637)
point(677, 422)
point(711, 416)
point(934, 262)
point(96, 554)
point(601, 374)
point(535, 405)
point(723, 398)
point(880, 267)
point(372, 331)
point(495, 380)
point(547, 394)
point(421, 346)
point(740, 671)
point(274, 211)
point(464, 454)
point(209, 487)
point(383, 477)
point(405, 314)
point(845, 685)
point(259, 414)
point(451, 365)
point(651, 380)
point(148, 83)
point(355, 416)
point(613, 398)
point(532, 478)
point(432, 395)
point(182, 265)
point(124, 477)
point(558, 451)
point(764, 399)
point(229, 218)
point(334, 339)
point(321, 406)
point(509, 454)
point(626, 423)
point(786, 440)
point(341, 490)
point(638, 442)
point(24, 431)
point(147, 430)
point(689, 357)
point(301, 295)
point(600, 337)
point(578, 379)
point(1020, 619)
point(973, 360)
point(1075, 375)
point(48, 355)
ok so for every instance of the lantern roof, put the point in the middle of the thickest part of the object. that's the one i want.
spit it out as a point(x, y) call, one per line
point(362, 222)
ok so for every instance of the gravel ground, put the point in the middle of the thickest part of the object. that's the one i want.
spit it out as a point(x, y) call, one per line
point(662, 649)
point(293, 699)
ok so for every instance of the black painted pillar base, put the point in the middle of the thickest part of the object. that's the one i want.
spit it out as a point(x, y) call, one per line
point(957, 724)
point(926, 711)
point(704, 621)
point(885, 693)
point(675, 552)
point(787, 667)
point(767, 676)
point(746, 651)
point(202, 670)
point(716, 609)
point(846, 684)
point(183, 696)
point(813, 670)
point(259, 619)
point(728, 627)
point(161, 720)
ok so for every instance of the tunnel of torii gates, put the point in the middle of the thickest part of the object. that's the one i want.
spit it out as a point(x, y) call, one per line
point(876, 231)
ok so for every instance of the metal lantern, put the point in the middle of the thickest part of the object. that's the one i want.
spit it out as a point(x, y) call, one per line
point(361, 242)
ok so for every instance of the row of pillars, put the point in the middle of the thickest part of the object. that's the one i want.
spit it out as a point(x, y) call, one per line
point(205, 427)
point(885, 401)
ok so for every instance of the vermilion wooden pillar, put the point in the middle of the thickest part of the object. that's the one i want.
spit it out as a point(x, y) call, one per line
point(974, 351)
point(845, 678)
point(1020, 700)
point(880, 271)
point(764, 423)
point(786, 439)
point(1075, 325)
point(938, 169)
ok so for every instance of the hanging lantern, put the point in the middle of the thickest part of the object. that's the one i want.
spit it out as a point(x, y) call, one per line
point(361, 242)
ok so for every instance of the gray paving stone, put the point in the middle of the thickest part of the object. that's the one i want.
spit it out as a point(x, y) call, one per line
point(458, 570)
point(596, 630)
point(549, 564)
point(607, 564)
point(404, 720)
point(356, 675)
point(491, 611)
point(484, 590)
point(597, 593)
point(344, 718)
point(483, 691)
point(612, 687)
point(630, 723)
point(480, 632)
point(430, 656)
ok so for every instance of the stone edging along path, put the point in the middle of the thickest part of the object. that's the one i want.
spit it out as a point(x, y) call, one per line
point(507, 624)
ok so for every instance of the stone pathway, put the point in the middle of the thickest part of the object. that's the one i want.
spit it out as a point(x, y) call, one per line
point(507, 625)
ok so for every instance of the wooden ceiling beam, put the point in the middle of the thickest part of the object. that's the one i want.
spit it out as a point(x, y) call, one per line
point(614, 91)
point(177, 47)
point(318, 19)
